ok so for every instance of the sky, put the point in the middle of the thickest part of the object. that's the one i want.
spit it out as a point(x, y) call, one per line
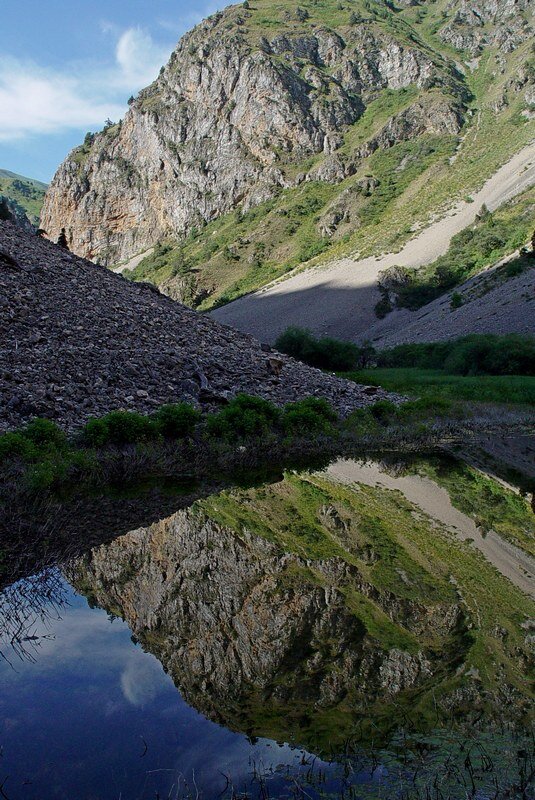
point(68, 65)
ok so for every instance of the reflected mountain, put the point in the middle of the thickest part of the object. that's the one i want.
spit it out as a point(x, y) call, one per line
point(312, 612)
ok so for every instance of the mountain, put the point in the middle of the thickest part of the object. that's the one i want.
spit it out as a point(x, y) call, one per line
point(24, 197)
point(78, 341)
point(280, 133)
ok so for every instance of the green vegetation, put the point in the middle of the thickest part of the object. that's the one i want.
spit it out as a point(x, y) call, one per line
point(26, 193)
point(477, 354)
point(325, 353)
point(430, 369)
point(490, 504)
point(43, 457)
point(435, 384)
point(177, 439)
point(481, 245)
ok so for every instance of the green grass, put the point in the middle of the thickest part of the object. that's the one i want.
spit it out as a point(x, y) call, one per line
point(514, 389)
point(27, 193)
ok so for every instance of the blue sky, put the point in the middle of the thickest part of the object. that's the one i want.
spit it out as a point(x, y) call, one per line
point(66, 65)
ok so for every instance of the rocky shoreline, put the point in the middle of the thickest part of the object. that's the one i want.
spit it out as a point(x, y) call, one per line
point(78, 341)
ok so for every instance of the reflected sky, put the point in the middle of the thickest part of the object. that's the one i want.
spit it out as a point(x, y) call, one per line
point(96, 717)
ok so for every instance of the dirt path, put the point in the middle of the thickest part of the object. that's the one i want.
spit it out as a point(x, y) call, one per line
point(433, 500)
point(338, 299)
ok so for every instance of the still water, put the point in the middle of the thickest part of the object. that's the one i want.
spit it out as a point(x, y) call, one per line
point(196, 658)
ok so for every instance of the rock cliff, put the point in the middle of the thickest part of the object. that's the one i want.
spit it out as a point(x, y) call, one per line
point(246, 98)
point(304, 610)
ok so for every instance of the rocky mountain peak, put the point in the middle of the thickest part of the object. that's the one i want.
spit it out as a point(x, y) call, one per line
point(239, 100)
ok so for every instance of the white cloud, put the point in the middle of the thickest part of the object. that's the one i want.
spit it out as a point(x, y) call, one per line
point(35, 100)
point(142, 679)
point(139, 58)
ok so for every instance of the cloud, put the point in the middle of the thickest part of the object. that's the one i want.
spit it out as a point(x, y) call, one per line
point(142, 679)
point(36, 101)
point(139, 58)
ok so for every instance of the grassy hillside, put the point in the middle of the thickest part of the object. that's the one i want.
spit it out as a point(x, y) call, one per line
point(483, 244)
point(393, 191)
point(26, 193)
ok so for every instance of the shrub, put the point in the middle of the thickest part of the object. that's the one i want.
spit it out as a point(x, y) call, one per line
point(95, 433)
point(45, 474)
point(478, 354)
point(383, 411)
point(176, 421)
point(324, 353)
point(45, 433)
point(119, 428)
point(16, 445)
point(312, 415)
point(456, 300)
point(244, 416)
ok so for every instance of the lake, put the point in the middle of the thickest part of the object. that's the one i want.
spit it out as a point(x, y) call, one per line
point(363, 631)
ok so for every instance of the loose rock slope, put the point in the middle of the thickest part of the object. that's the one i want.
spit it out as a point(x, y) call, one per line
point(77, 341)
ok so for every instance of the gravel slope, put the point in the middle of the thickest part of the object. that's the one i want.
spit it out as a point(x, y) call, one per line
point(338, 299)
point(78, 341)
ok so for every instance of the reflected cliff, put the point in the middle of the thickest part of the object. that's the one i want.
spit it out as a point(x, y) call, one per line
point(311, 612)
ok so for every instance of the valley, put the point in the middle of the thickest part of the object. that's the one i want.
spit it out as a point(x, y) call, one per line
point(267, 391)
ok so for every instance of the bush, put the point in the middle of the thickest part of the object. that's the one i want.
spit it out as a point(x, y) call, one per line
point(176, 421)
point(478, 354)
point(244, 416)
point(44, 433)
point(383, 411)
point(324, 353)
point(16, 445)
point(456, 300)
point(312, 415)
point(119, 428)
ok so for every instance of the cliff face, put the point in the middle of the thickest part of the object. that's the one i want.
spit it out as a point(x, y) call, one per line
point(232, 117)
point(476, 24)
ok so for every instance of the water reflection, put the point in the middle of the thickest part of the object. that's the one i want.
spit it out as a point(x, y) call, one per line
point(95, 716)
point(339, 618)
